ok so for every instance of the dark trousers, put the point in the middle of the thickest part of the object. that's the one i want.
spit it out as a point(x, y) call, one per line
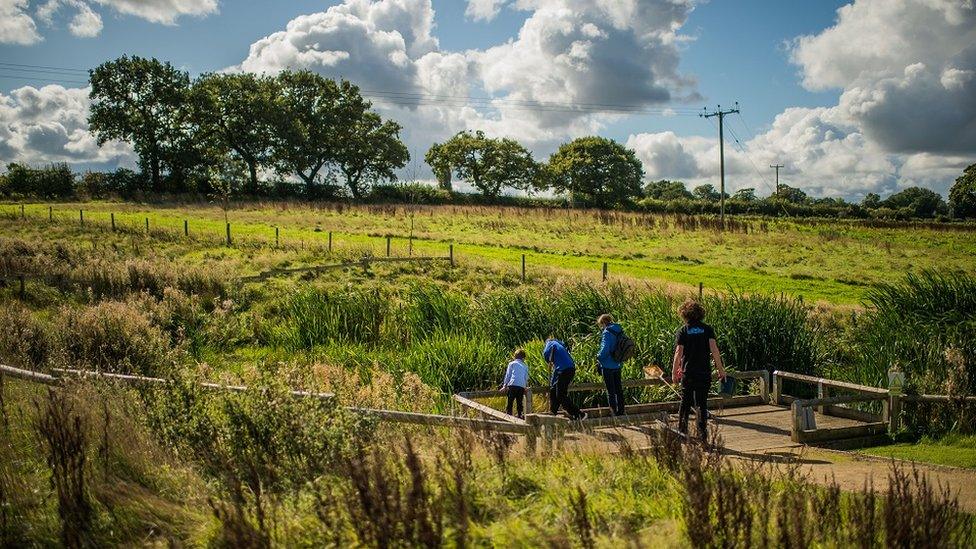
point(559, 393)
point(694, 394)
point(615, 391)
point(516, 395)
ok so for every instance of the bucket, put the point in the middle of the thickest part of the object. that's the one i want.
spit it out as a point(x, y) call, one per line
point(726, 387)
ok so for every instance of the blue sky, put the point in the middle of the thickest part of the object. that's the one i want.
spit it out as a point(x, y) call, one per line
point(803, 102)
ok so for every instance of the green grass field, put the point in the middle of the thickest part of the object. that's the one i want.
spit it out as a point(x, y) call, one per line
point(957, 451)
point(833, 261)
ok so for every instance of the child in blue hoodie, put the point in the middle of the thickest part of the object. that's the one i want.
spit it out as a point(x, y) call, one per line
point(516, 381)
point(609, 367)
point(563, 372)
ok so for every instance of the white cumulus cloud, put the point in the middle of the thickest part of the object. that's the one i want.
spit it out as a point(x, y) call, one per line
point(16, 26)
point(50, 124)
point(483, 10)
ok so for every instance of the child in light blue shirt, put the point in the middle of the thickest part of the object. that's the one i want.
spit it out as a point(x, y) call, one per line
point(516, 380)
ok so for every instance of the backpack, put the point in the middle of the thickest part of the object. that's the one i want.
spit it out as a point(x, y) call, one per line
point(625, 349)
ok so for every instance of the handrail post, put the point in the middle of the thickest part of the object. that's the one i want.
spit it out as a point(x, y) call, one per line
point(797, 415)
point(777, 387)
point(764, 386)
point(528, 401)
point(532, 437)
point(894, 414)
point(821, 393)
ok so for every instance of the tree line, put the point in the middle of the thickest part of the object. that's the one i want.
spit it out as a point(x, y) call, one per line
point(221, 133)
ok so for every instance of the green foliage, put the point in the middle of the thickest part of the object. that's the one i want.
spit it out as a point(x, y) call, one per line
point(312, 112)
point(318, 316)
point(487, 163)
point(745, 195)
point(54, 181)
point(871, 201)
point(962, 195)
point(596, 171)
point(791, 194)
point(236, 114)
point(370, 151)
point(918, 201)
point(706, 193)
point(408, 193)
point(144, 102)
point(667, 190)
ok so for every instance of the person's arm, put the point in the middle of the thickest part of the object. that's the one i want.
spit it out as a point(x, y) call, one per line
point(717, 357)
point(679, 354)
point(604, 346)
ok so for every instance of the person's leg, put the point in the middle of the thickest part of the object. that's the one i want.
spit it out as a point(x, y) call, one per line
point(554, 393)
point(520, 401)
point(687, 398)
point(565, 378)
point(611, 394)
point(511, 400)
point(618, 387)
point(701, 399)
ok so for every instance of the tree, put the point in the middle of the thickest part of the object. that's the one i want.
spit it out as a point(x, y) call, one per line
point(962, 195)
point(488, 164)
point(918, 201)
point(370, 151)
point(706, 192)
point(236, 112)
point(667, 190)
point(791, 194)
point(745, 195)
point(596, 171)
point(438, 161)
point(227, 175)
point(872, 201)
point(142, 101)
point(313, 112)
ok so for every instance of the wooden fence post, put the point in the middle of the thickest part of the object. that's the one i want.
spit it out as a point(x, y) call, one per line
point(22, 214)
point(777, 388)
point(147, 225)
point(23, 292)
point(523, 268)
point(797, 424)
point(821, 393)
point(276, 237)
point(604, 271)
point(387, 245)
point(764, 390)
point(186, 228)
point(228, 234)
point(112, 215)
point(450, 252)
point(894, 413)
point(50, 212)
point(532, 436)
point(330, 242)
point(81, 217)
point(701, 290)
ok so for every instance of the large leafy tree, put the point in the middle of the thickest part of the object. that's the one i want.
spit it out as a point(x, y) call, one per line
point(920, 202)
point(666, 190)
point(487, 163)
point(596, 171)
point(707, 193)
point(314, 113)
point(236, 113)
point(370, 151)
point(962, 195)
point(143, 101)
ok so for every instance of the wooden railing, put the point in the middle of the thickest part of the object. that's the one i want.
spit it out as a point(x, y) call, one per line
point(804, 425)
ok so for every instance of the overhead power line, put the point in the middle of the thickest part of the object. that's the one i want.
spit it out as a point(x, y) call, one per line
point(46, 73)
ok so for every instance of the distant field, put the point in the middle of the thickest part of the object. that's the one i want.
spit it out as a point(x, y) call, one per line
point(830, 261)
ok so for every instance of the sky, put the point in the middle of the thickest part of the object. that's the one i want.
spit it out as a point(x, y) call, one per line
point(851, 97)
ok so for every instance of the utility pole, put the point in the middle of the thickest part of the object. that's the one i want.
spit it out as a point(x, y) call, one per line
point(721, 150)
point(777, 166)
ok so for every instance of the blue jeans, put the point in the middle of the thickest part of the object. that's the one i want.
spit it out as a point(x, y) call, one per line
point(615, 390)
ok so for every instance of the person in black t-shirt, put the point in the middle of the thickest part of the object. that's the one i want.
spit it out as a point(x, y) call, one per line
point(694, 345)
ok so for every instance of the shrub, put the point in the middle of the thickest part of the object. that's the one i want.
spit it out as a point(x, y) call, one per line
point(112, 336)
point(24, 340)
point(54, 181)
point(318, 316)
